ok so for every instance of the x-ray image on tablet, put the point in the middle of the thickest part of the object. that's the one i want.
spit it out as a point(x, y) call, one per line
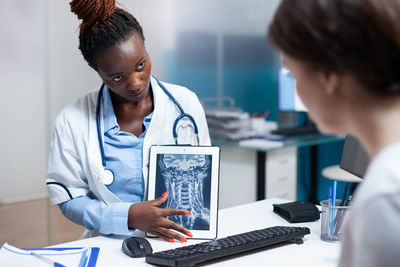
point(190, 175)
point(187, 178)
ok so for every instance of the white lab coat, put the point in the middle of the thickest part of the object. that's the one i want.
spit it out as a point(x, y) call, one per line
point(75, 159)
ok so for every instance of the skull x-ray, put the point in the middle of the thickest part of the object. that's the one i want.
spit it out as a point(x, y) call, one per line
point(187, 177)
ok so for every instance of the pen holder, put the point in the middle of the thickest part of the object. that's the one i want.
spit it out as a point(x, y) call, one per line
point(332, 218)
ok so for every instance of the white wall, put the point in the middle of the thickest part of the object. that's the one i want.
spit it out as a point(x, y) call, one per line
point(42, 71)
point(68, 73)
point(22, 110)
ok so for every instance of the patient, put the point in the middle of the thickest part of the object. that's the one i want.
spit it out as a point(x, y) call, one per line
point(345, 56)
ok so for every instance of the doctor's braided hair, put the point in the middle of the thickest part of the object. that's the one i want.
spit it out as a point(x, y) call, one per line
point(103, 26)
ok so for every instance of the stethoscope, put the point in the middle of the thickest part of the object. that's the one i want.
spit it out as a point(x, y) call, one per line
point(108, 175)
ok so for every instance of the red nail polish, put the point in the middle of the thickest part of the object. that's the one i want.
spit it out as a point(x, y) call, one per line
point(165, 193)
point(171, 240)
point(183, 239)
point(187, 212)
point(189, 234)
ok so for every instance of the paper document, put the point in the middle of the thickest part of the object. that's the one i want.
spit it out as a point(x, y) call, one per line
point(260, 143)
point(79, 257)
point(233, 135)
point(229, 124)
point(228, 114)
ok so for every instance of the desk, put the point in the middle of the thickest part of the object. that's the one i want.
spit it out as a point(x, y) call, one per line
point(253, 216)
point(311, 140)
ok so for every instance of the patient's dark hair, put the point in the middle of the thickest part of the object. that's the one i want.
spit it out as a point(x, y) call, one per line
point(361, 37)
point(103, 26)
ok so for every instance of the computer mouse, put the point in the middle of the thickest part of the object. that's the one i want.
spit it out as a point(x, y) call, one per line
point(136, 247)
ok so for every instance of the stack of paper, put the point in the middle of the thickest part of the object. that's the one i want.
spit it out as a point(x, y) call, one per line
point(260, 143)
point(232, 124)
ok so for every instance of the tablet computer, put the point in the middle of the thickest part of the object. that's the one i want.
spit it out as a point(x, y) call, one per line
point(190, 174)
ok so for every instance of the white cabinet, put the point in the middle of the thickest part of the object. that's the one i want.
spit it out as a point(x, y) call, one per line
point(237, 183)
point(238, 175)
point(281, 173)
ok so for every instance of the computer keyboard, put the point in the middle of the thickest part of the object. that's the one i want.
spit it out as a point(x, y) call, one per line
point(218, 248)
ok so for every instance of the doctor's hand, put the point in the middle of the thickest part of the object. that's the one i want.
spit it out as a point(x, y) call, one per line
point(147, 217)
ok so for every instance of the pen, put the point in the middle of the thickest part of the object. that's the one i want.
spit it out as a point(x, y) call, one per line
point(334, 193)
point(333, 206)
point(342, 203)
point(329, 208)
point(47, 260)
point(340, 211)
point(340, 219)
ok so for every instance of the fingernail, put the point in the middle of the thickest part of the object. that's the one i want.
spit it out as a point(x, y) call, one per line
point(171, 240)
point(189, 234)
point(165, 193)
point(187, 212)
point(183, 239)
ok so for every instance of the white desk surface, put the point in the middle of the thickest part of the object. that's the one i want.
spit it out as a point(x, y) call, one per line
point(234, 220)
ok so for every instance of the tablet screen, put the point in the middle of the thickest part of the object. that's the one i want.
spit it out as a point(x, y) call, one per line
point(190, 174)
point(187, 178)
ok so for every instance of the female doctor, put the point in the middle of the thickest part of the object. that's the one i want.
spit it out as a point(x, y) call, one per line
point(98, 162)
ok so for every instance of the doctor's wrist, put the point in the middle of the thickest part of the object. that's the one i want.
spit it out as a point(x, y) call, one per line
point(131, 217)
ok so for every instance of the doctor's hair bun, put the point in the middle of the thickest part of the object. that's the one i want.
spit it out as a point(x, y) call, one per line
point(103, 26)
point(93, 11)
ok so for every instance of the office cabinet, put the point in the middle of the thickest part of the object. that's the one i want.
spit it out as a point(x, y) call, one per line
point(281, 173)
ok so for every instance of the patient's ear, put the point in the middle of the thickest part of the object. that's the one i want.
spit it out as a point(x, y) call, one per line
point(331, 81)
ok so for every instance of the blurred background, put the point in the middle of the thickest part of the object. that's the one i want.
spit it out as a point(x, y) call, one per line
point(215, 48)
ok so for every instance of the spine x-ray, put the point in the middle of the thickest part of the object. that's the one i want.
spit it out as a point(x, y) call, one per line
point(187, 177)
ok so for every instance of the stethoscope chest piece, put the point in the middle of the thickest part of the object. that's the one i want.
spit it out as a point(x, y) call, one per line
point(107, 177)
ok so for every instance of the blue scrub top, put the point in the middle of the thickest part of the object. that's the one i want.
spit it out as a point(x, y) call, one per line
point(123, 155)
